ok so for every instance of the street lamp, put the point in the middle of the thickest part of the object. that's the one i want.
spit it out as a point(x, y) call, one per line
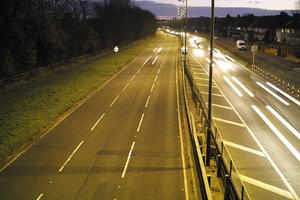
point(185, 30)
point(212, 32)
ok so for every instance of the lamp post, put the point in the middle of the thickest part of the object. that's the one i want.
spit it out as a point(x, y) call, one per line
point(212, 32)
point(185, 32)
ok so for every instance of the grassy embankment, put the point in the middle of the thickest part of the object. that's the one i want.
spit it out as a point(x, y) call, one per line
point(28, 110)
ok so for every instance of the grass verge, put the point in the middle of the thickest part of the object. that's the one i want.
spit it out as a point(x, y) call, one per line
point(29, 109)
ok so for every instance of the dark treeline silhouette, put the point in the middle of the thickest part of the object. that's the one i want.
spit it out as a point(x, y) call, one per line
point(226, 25)
point(35, 33)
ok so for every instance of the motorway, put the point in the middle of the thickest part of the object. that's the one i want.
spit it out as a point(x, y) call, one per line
point(122, 143)
point(259, 124)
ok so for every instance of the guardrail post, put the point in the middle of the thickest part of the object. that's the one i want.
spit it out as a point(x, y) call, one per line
point(243, 190)
point(222, 148)
point(230, 168)
point(209, 180)
point(227, 187)
point(219, 160)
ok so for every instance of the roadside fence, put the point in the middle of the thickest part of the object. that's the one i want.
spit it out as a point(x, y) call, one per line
point(33, 73)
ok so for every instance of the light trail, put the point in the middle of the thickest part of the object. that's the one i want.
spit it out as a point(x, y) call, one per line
point(243, 87)
point(273, 94)
point(233, 87)
point(284, 122)
point(284, 94)
point(290, 147)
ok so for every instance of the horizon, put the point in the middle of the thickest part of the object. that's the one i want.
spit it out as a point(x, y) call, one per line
point(263, 4)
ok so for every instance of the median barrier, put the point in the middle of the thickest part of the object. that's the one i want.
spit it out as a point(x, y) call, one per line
point(225, 166)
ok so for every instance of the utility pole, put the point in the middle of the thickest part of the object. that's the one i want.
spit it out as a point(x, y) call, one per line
point(212, 33)
point(185, 32)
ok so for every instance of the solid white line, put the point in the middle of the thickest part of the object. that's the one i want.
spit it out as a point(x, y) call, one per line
point(128, 158)
point(114, 101)
point(243, 87)
point(204, 85)
point(198, 78)
point(140, 124)
point(233, 87)
point(62, 167)
point(194, 68)
point(285, 94)
point(132, 78)
point(284, 122)
point(259, 153)
point(202, 73)
point(272, 93)
point(97, 121)
point(218, 95)
point(221, 106)
point(154, 50)
point(290, 147)
point(152, 87)
point(266, 186)
point(125, 87)
point(147, 102)
point(147, 60)
point(155, 78)
point(158, 71)
point(229, 58)
point(154, 60)
point(40, 196)
point(229, 122)
point(198, 73)
point(181, 137)
point(286, 182)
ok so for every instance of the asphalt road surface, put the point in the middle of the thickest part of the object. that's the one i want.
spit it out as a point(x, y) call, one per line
point(122, 143)
point(259, 125)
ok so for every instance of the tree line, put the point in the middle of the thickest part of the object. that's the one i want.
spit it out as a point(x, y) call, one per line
point(34, 33)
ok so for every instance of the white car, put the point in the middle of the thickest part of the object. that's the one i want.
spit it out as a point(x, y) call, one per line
point(241, 45)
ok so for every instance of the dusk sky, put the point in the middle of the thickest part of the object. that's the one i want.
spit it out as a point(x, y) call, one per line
point(265, 4)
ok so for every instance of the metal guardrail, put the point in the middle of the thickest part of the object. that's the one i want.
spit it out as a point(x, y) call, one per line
point(234, 186)
point(206, 193)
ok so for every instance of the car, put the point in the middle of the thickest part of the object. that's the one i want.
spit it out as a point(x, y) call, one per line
point(241, 45)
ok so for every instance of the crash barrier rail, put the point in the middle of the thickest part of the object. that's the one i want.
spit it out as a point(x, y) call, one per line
point(201, 172)
point(205, 192)
point(226, 169)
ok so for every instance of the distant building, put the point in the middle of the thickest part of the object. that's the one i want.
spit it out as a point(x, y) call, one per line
point(289, 33)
